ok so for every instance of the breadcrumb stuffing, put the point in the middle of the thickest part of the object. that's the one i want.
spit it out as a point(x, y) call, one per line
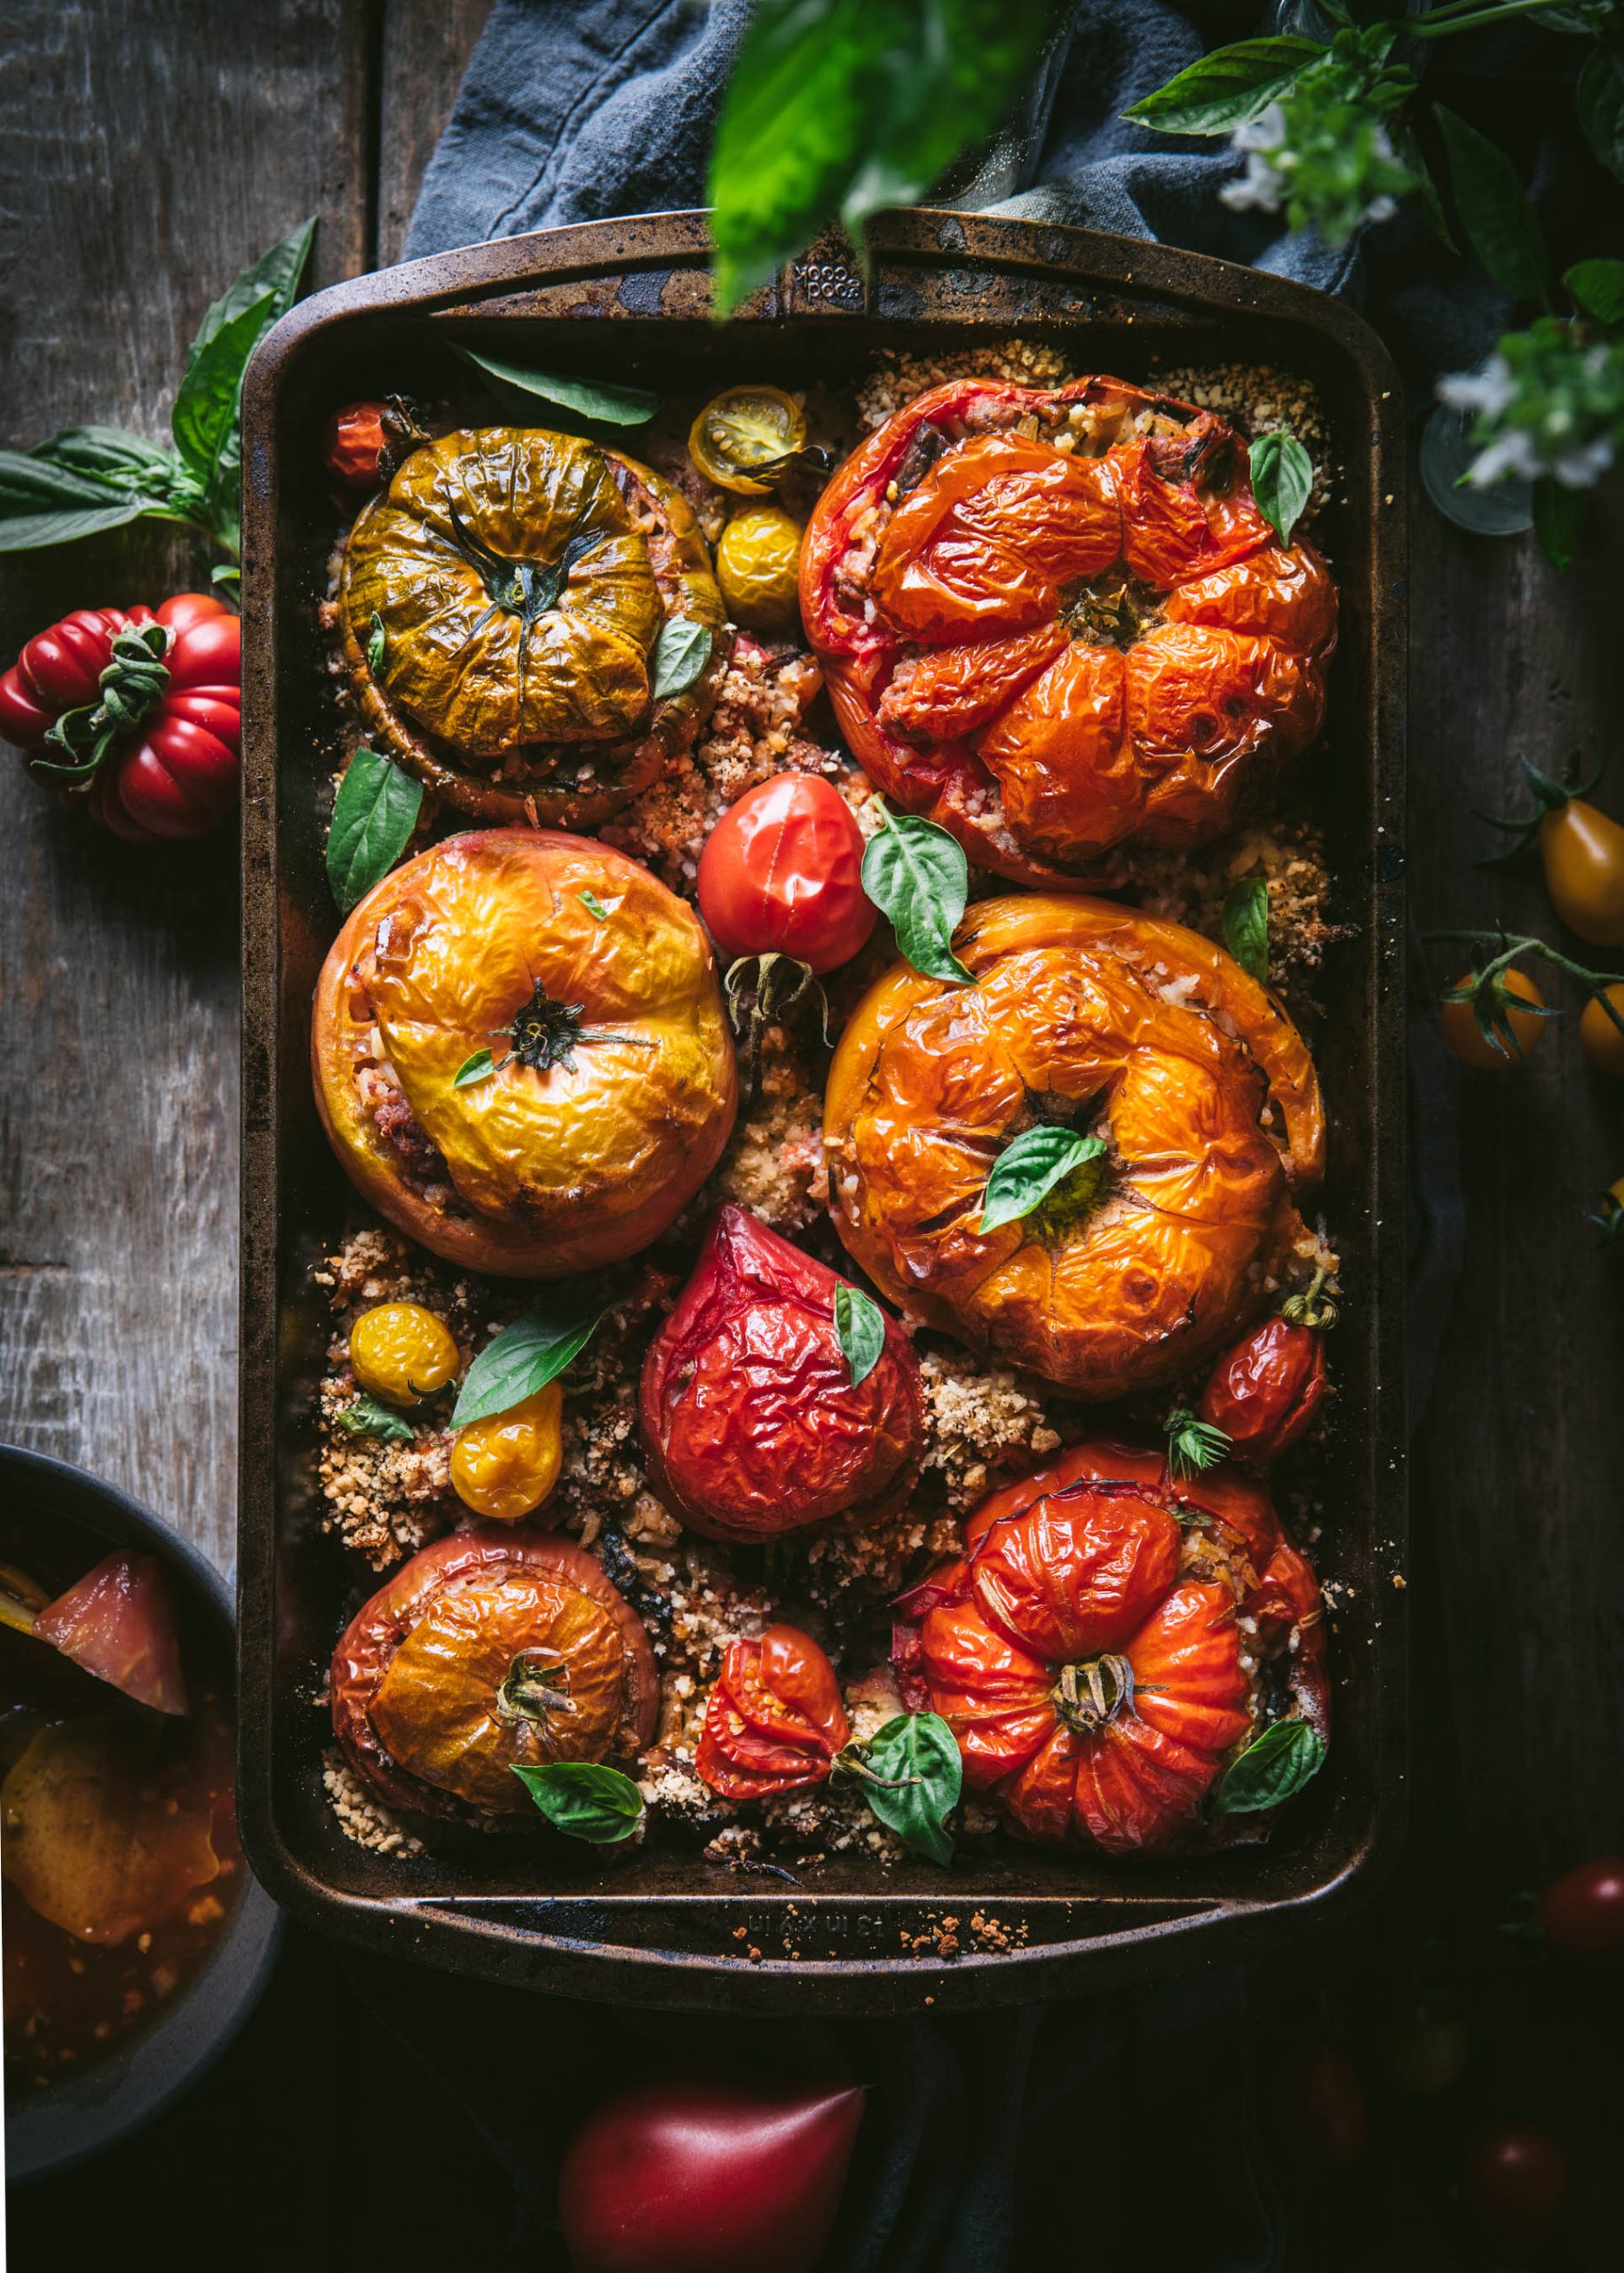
point(361, 1817)
point(1191, 888)
point(980, 1418)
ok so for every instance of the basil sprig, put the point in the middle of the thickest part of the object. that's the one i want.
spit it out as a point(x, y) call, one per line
point(860, 1327)
point(374, 816)
point(521, 1360)
point(365, 1416)
point(1246, 926)
point(1193, 1445)
point(912, 1774)
point(1028, 1169)
point(679, 656)
point(89, 478)
point(610, 406)
point(917, 876)
point(1273, 1768)
point(1282, 480)
point(585, 1799)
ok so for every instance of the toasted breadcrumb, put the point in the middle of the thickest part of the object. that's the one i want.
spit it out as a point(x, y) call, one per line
point(899, 375)
point(980, 1418)
point(1191, 887)
point(361, 1817)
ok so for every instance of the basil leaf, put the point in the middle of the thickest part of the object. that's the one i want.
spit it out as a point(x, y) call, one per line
point(275, 273)
point(845, 106)
point(377, 644)
point(21, 531)
point(677, 656)
point(522, 1358)
point(204, 419)
point(1495, 211)
point(610, 406)
point(1227, 88)
point(917, 876)
point(585, 1799)
point(912, 1775)
point(1598, 287)
point(1559, 518)
point(106, 454)
point(593, 905)
point(365, 1417)
point(479, 1068)
point(374, 816)
point(1193, 1445)
point(1028, 1170)
point(860, 1328)
point(1273, 1768)
point(1246, 925)
point(28, 483)
point(1601, 101)
point(1282, 480)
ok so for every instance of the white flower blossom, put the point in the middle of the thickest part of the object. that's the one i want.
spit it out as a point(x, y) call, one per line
point(1263, 185)
point(1487, 390)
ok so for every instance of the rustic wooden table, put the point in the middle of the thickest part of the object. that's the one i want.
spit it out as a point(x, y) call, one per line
point(149, 148)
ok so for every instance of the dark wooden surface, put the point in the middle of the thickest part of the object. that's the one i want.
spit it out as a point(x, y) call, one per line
point(149, 148)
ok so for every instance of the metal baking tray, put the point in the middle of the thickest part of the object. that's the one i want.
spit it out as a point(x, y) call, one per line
point(630, 300)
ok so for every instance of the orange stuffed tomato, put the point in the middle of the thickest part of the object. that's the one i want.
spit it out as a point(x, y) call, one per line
point(1100, 1657)
point(773, 1721)
point(500, 606)
point(608, 1086)
point(492, 1650)
point(1132, 1030)
point(1054, 620)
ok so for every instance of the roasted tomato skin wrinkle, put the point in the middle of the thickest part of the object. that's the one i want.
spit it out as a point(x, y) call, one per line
point(774, 1720)
point(696, 2176)
point(1265, 1392)
point(781, 873)
point(751, 1421)
point(1055, 654)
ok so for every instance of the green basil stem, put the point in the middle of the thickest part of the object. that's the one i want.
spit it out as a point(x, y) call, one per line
point(1466, 15)
point(1595, 983)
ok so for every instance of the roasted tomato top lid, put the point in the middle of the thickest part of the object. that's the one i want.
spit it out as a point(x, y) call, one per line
point(752, 1422)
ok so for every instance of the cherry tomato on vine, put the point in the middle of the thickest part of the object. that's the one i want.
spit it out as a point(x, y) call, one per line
point(1582, 1912)
point(1516, 2180)
point(782, 873)
point(1601, 1042)
point(1520, 1031)
point(1582, 853)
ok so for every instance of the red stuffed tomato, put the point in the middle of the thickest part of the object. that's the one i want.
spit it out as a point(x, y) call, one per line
point(493, 1649)
point(1055, 621)
point(751, 1420)
point(781, 873)
point(153, 731)
point(1088, 1651)
point(774, 1720)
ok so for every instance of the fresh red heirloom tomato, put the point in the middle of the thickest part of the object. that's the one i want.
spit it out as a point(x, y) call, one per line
point(1264, 1392)
point(751, 1420)
point(698, 2177)
point(1087, 1650)
point(781, 872)
point(1582, 1912)
point(774, 1720)
point(164, 762)
point(1517, 2179)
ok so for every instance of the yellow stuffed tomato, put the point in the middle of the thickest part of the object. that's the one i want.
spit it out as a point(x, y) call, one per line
point(522, 1054)
point(501, 607)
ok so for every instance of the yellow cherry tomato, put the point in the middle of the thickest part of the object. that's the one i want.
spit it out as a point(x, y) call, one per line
point(744, 429)
point(1461, 1027)
point(1601, 1042)
point(402, 1353)
point(504, 1466)
point(1582, 851)
point(758, 567)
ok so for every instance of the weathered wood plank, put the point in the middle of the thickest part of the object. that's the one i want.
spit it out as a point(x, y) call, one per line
point(427, 45)
point(148, 150)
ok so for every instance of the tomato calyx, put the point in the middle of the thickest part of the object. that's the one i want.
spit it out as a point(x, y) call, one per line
point(1549, 797)
point(536, 1685)
point(767, 990)
point(131, 687)
point(546, 1033)
point(1090, 1695)
point(526, 589)
point(1314, 1308)
point(1492, 1001)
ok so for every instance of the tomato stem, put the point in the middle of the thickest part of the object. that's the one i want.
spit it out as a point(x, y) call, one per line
point(1595, 983)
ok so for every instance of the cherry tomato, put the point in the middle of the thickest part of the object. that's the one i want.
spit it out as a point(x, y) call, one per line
point(1515, 2179)
point(696, 2177)
point(1322, 2106)
point(353, 445)
point(758, 567)
point(1265, 1391)
point(1601, 1040)
point(1426, 2051)
point(1582, 851)
point(1582, 1912)
point(782, 872)
point(1460, 1027)
point(742, 432)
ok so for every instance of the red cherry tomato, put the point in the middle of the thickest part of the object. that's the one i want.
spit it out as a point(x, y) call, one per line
point(1322, 2106)
point(354, 443)
point(782, 872)
point(1582, 1912)
point(1515, 2178)
point(696, 2177)
point(1264, 1392)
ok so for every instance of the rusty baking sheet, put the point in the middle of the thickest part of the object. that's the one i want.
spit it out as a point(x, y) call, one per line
point(629, 300)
